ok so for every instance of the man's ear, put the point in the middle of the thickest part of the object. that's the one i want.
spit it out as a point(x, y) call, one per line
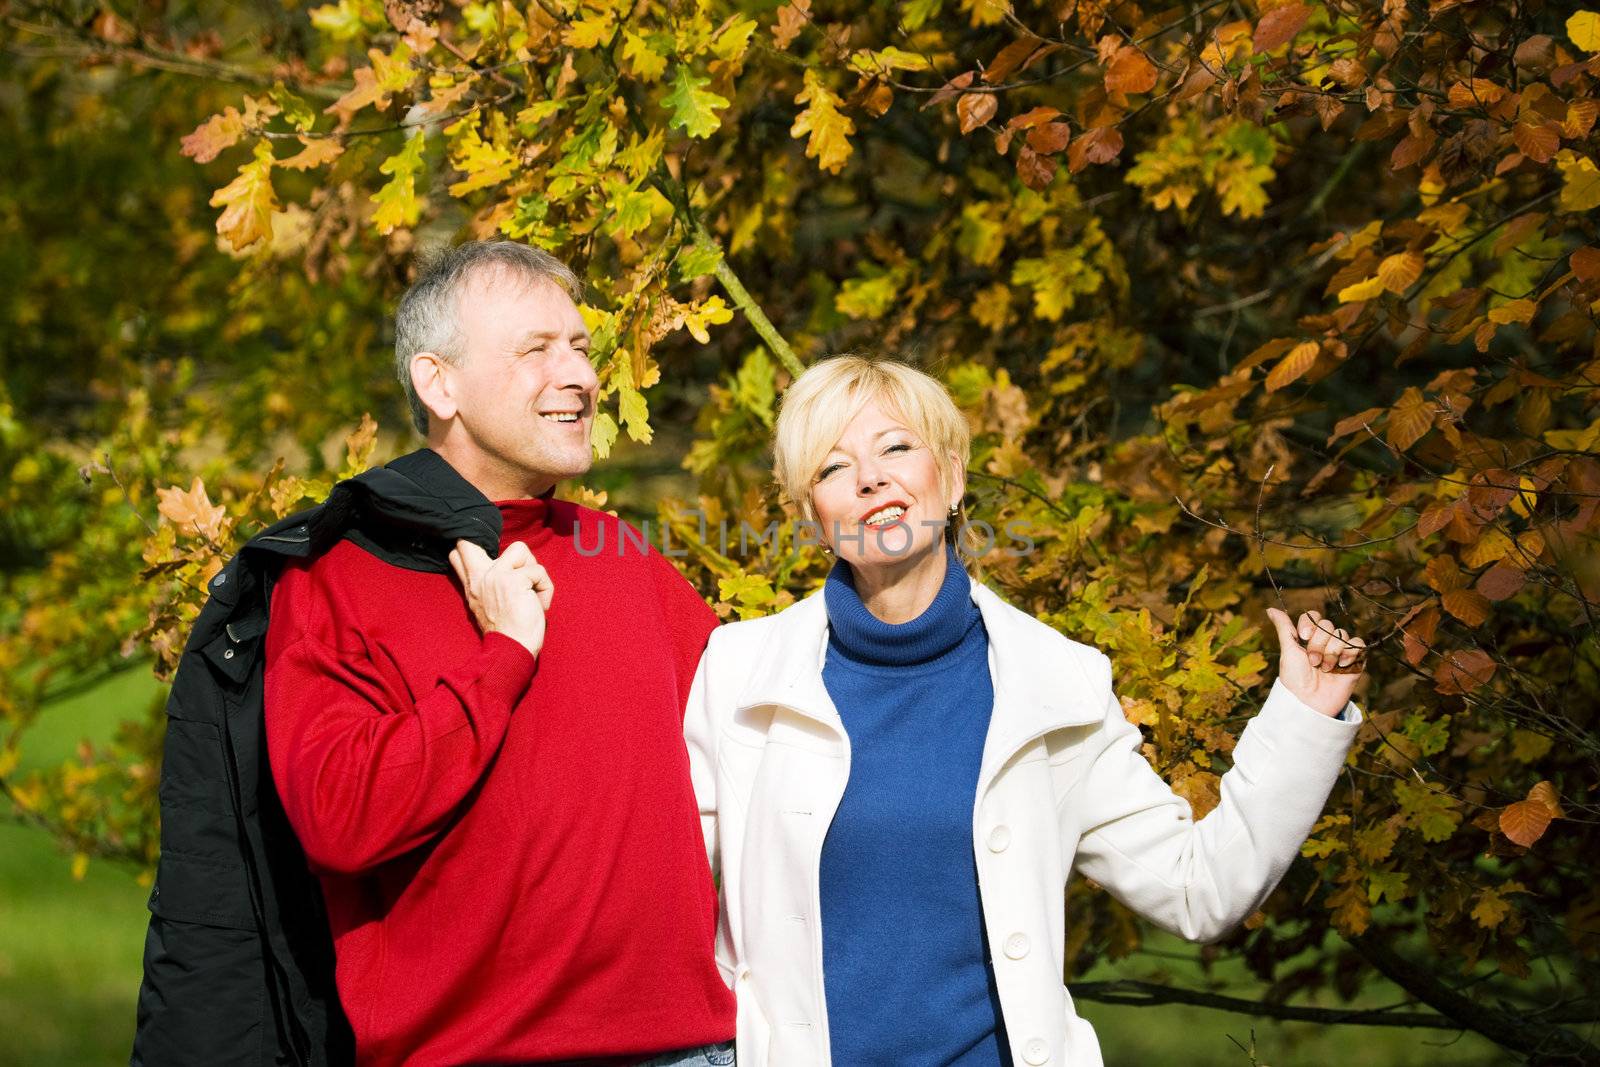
point(431, 378)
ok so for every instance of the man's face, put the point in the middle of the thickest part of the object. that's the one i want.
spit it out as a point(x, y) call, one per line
point(524, 389)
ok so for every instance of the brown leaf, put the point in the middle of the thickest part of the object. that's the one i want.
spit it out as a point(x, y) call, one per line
point(1419, 634)
point(1536, 53)
point(950, 88)
point(1279, 26)
point(1347, 72)
point(1329, 108)
point(1410, 150)
point(1035, 171)
point(1100, 145)
point(1501, 581)
point(1585, 263)
point(1198, 81)
point(879, 100)
point(1050, 138)
point(1130, 72)
point(1352, 423)
point(1009, 59)
point(1293, 366)
point(1525, 822)
point(975, 109)
point(1463, 671)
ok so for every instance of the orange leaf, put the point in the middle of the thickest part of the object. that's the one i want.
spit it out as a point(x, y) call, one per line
point(1100, 145)
point(1400, 271)
point(1050, 138)
point(1585, 263)
point(1292, 366)
point(1279, 26)
point(1525, 822)
point(792, 18)
point(1519, 310)
point(1468, 605)
point(191, 512)
point(1537, 140)
point(1130, 72)
point(1410, 420)
point(1029, 119)
point(1009, 59)
point(213, 135)
point(316, 152)
point(975, 109)
point(1580, 119)
point(1545, 793)
point(1352, 423)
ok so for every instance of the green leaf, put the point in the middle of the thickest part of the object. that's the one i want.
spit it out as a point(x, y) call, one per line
point(603, 434)
point(397, 201)
point(644, 62)
point(693, 106)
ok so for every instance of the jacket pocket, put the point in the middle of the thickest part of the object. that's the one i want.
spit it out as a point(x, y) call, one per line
point(203, 999)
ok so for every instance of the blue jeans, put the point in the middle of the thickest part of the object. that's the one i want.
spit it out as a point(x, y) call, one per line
point(718, 1055)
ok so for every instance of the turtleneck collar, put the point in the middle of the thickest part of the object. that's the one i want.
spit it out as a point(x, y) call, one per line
point(861, 636)
point(526, 519)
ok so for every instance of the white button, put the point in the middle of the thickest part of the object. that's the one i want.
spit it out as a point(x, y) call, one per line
point(1017, 946)
point(228, 654)
point(1036, 1052)
point(999, 838)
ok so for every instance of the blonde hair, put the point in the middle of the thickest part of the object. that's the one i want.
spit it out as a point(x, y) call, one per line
point(821, 403)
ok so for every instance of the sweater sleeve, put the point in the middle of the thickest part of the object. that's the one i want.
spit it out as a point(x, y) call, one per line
point(365, 772)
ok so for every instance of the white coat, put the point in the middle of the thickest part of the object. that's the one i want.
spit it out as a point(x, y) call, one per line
point(1062, 785)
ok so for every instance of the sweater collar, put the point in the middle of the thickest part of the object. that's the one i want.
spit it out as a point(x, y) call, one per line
point(862, 636)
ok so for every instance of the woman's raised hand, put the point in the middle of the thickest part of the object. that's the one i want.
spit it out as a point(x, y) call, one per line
point(1322, 671)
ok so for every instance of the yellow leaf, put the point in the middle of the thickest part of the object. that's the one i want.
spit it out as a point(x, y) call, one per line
point(644, 62)
point(1400, 271)
point(1519, 310)
point(592, 32)
point(1583, 29)
point(317, 151)
point(1580, 188)
point(710, 311)
point(247, 202)
point(829, 129)
point(1491, 909)
point(1362, 290)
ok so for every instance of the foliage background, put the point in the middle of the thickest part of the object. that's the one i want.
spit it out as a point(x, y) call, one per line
point(1248, 303)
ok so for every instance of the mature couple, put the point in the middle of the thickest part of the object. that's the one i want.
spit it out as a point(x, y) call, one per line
point(508, 775)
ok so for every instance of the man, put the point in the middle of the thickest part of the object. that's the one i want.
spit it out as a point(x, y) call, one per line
point(487, 772)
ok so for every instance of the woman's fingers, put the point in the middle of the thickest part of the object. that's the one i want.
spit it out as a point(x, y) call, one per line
point(1352, 652)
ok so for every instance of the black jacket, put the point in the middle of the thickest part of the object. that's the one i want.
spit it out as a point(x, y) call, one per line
point(238, 962)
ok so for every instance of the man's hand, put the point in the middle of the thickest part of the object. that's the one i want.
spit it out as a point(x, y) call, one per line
point(509, 595)
point(1324, 670)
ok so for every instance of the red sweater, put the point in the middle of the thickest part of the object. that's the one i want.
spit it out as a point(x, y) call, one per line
point(510, 851)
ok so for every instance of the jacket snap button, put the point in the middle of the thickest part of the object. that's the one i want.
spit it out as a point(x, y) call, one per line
point(1036, 1052)
point(228, 654)
point(999, 838)
point(1017, 946)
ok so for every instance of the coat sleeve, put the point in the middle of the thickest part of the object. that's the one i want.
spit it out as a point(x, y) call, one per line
point(1200, 879)
point(700, 736)
point(365, 772)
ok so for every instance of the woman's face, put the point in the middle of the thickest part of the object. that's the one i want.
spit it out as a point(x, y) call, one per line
point(877, 494)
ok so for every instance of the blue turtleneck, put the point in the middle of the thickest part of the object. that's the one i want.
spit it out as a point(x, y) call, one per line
point(905, 959)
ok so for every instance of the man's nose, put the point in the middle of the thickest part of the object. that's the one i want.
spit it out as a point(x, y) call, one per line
point(575, 371)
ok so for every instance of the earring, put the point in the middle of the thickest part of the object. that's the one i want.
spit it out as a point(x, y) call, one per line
point(955, 509)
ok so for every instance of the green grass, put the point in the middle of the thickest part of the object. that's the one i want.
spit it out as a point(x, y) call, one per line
point(69, 950)
point(70, 959)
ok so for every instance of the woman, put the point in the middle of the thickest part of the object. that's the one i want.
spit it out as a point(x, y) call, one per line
point(899, 773)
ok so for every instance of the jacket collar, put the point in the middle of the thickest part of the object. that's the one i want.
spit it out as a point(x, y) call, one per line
point(1038, 684)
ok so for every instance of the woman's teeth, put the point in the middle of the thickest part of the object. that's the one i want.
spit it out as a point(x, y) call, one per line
point(887, 515)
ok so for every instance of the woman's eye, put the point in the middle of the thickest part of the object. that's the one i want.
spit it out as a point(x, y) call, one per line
point(825, 471)
point(898, 448)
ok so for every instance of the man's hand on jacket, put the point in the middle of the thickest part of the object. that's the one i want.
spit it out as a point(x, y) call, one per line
point(509, 595)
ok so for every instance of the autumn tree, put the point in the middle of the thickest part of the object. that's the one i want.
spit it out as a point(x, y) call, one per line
point(1278, 303)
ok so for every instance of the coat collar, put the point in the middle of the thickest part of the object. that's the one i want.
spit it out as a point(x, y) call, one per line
point(1039, 685)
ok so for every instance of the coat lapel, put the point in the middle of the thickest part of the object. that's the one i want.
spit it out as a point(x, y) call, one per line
point(1038, 683)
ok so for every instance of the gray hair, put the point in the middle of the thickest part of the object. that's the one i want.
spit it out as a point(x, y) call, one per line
point(426, 319)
